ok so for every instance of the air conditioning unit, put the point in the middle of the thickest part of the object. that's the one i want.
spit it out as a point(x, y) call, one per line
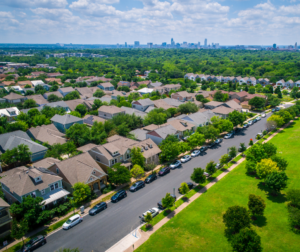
point(142, 150)
point(146, 148)
point(150, 145)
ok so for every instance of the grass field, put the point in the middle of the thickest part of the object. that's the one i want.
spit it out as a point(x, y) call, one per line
point(199, 227)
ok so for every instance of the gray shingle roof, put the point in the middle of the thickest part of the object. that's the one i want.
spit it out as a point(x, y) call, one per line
point(164, 131)
point(65, 119)
point(131, 111)
point(145, 102)
point(139, 134)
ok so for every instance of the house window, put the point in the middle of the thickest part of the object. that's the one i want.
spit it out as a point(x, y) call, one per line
point(116, 160)
point(43, 191)
point(112, 162)
point(56, 185)
point(51, 187)
point(128, 156)
point(121, 158)
point(57, 170)
point(94, 172)
point(33, 195)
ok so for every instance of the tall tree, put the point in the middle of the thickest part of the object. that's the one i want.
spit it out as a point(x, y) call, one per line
point(137, 157)
point(81, 192)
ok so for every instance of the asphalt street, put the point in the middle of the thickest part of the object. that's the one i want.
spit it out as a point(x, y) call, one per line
point(100, 232)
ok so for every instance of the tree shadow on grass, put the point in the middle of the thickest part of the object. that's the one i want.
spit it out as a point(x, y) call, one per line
point(279, 198)
point(260, 221)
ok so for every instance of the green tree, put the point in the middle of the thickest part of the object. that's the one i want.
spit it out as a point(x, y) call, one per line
point(137, 171)
point(196, 139)
point(53, 98)
point(232, 152)
point(119, 174)
point(257, 102)
point(294, 218)
point(30, 103)
point(256, 205)
point(210, 132)
point(155, 116)
point(79, 134)
point(293, 195)
point(75, 113)
point(282, 163)
point(246, 240)
point(81, 192)
point(276, 181)
point(187, 108)
point(250, 167)
point(137, 157)
point(242, 147)
point(224, 159)
point(236, 118)
point(251, 90)
point(169, 149)
point(168, 201)
point(99, 93)
point(18, 230)
point(29, 92)
point(210, 168)
point(81, 109)
point(148, 218)
point(219, 96)
point(184, 188)
point(266, 167)
point(235, 219)
point(72, 96)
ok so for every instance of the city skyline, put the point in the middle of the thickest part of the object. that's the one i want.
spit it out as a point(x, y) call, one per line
point(227, 22)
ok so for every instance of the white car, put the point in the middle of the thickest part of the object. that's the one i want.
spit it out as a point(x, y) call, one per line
point(206, 174)
point(74, 220)
point(258, 118)
point(218, 166)
point(195, 153)
point(263, 115)
point(250, 122)
point(176, 164)
point(229, 135)
point(185, 158)
point(260, 134)
point(154, 211)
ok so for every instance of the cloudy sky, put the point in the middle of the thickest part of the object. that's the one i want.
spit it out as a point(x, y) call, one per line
point(228, 22)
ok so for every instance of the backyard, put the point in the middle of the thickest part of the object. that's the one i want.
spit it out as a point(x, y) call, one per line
point(199, 227)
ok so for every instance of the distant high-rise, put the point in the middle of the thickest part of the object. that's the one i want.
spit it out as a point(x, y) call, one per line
point(296, 46)
point(199, 44)
point(136, 43)
point(126, 44)
point(274, 46)
point(164, 44)
point(205, 42)
point(150, 45)
point(172, 41)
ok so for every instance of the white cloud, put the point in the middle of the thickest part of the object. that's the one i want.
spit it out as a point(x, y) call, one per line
point(34, 3)
point(292, 9)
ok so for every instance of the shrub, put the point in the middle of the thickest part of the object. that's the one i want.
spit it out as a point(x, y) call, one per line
point(293, 195)
point(236, 218)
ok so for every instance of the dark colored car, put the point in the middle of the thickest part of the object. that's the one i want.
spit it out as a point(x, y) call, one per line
point(273, 110)
point(203, 148)
point(254, 120)
point(151, 178)
point(164, 171)
point(34, 243)
point(118, 196)
point(159, 204)
point(190, 185)
point(210, 145)
point(136, 186)
point(219, 140)
point(98, 208)
point(246, 125)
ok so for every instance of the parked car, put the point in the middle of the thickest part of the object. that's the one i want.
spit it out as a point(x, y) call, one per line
point(206, 174)
point(159, 204)
point(211, 144)
point(136, 186)
point(218, 141)
point(254, 120)
point(246, 125)
point(164, 171)
point(218, 166)
point(263, 115)
point(273, 110)
point(258, 118)
point(195, 153)
point(118, 196)
point(260, 134)
point(98, 208)
point(74, 220)
point(250, 122)
point(34, 243)
point(229, 135)
point(176, 164)
point(153, 211)
point(203, 148)
point(277, 109)
point(190, 185)
point(185, 158)
point(151, 178)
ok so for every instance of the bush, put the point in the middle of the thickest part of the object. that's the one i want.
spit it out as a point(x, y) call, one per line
point(293, 195)
point(108, 188)
point(294, 218)
point(251, 167)
point(246, 240)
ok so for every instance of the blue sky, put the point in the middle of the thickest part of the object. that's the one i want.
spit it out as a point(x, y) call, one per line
point(228, 22)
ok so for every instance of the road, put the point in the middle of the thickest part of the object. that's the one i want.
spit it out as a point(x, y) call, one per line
point(100, 232)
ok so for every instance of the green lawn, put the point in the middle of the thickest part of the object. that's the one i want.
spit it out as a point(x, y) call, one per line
point(199, 227)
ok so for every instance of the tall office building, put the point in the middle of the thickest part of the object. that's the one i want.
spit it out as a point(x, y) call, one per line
point(296, 46)
point(150, 45)
point(164, 44)
point(205, 42)
point(172, 41)
point(274, 46)
point(198, 44)
point(136, 43)
point(126, 44)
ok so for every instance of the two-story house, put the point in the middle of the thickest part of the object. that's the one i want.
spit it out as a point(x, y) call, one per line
point(142, 104)
point(10, 113)
point(64, 122)
point(14, 98)
point(5, 219)
point(170, 87)
point(39, 99)
point(108, 112)
point(107, 86)
point(183, 96)
point(251, 81)
point(86, 92)
point(80, 168)
point(21, 182)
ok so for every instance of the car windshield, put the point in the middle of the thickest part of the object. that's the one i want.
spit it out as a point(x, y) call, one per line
point(174, 163)
point(68, 221)
point(95, 207)
point(28, 244)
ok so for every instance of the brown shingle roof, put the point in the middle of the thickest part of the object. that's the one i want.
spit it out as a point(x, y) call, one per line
point(222, 110)
point(39, 99)
point(13, 96)
point(110, 109)
point(45, 163)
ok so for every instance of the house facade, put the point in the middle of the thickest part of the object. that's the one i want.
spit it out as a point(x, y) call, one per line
point(108, 112)
point(142, 104)
point(5, 219)
point(64, 122)
point(107, 86)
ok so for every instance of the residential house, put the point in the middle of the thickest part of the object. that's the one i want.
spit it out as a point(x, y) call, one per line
point(108, 112)
point(212, 104)
point(237, 79)
point(116, 93)
point(37, 74)
point(234, 104)
point(40, 83)
point(54, 75)
point(10, 113)
point(39, 99)
point(297, 83)
point(181, 126)
point(90, 80)
point(21, 182)
point(47, 134)
point(159, 134)
point(243, 81)
point(106, 86)
point(123, 83)
point(87, 92)
point(183, 96)
point(263, 81)
point(245, 105)
point(59, 104)
point(131, 111)
point(170, 87)
point(139, 134)
point(54, 79)
point(11, 140)
point(86, 147)
point(280, 83)
point(22, 84)
point(58, 94)
point(64, 122)
point(15, 88)
point(191, 76)
point(45, 163)
point(7, 84)
point(72, 104)
point(172, 102)
point(80, 168)
point(222, 111)
point(118, 149)
point(241, 96)
point(199, 119)
point(145, 91)
point(14, 98)
point(161, 103)
point(66, 90)
point(105, 98)
point(251, 81)
point(5, 219)
point(250, 96)
point(142, 104)
point(90, 119)
point(290, 84)
point(154, 84)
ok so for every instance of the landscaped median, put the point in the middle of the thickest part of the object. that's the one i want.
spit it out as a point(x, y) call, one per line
point(200, 227)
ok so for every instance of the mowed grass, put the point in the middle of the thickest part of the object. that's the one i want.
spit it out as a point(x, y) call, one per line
point(199, 227)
